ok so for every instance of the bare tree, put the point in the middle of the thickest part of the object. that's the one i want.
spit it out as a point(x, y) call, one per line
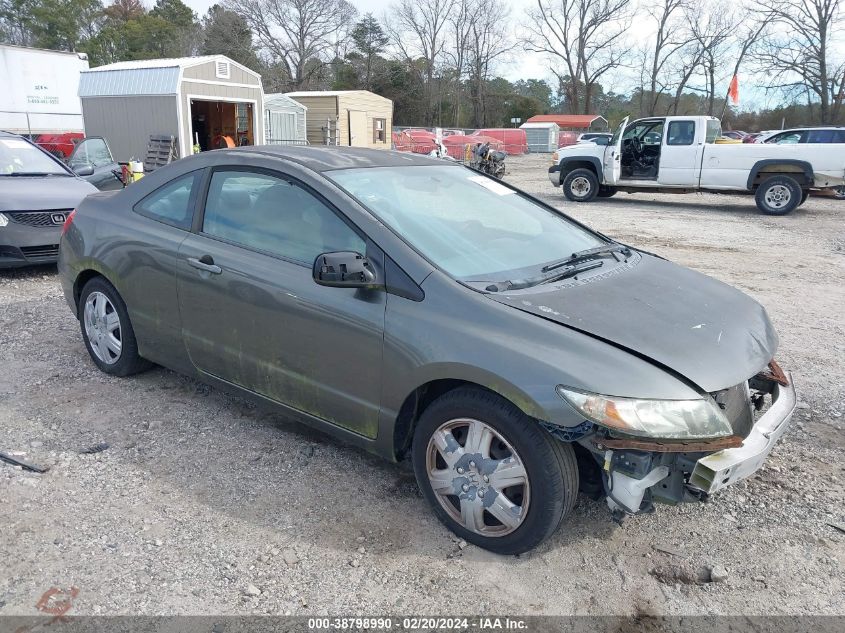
point(419, 31)
point(300, 35)
point(799, 54)
point(460, 29)
point(489, 42)
point(671, 39)
point(584, 39)
point(711, 27)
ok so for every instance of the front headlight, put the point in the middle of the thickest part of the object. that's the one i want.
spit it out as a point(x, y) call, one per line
point(669, 419)
point(3, 220)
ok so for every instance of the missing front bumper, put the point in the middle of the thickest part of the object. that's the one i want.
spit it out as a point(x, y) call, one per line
point(715, 471)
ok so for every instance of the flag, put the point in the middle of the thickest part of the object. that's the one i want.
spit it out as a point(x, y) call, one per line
point(733, 91)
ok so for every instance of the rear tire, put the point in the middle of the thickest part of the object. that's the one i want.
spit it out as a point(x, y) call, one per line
point(107, 331)
point(778, 195)
point(580, 185)
point(804, 195)
point(520, 469)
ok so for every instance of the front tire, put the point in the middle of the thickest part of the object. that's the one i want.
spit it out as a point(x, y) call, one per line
point(778, 195)
point(107, 331)
point(491, 474)
point(580, 185)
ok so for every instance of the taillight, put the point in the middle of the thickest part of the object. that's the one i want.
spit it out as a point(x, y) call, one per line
point(68, 221)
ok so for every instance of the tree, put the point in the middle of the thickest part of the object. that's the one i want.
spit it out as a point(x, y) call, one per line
point(65, 25)
point(670, 38)
point(226, 33)
point(489, 41)
point(370, 41)
point(800, 56)
point(585, 37)
point(298, 35)
point(179, 29)
point(418, 30)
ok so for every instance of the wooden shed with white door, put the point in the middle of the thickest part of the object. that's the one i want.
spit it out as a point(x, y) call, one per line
point(354, 118)
point(211, 101)
point(284, 120)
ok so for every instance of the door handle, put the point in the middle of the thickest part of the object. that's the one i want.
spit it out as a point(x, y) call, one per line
point(208, 266)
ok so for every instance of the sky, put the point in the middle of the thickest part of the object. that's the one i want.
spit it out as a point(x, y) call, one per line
point(526, 65)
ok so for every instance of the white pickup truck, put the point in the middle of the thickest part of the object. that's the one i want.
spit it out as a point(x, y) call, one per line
point(679, 154)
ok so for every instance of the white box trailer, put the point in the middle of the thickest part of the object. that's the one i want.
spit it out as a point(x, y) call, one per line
point(40, 91)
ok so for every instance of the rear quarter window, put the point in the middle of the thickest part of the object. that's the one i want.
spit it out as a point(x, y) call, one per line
point(172, 203)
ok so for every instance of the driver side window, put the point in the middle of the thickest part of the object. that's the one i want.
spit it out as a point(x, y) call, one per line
point(275, 215)
point(681, 133)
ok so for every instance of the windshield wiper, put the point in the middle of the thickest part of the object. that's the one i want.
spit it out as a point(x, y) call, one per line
point(586, 254)
point(570, 271)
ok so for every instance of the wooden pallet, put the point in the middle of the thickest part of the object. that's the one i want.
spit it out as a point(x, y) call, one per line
point(161, 151)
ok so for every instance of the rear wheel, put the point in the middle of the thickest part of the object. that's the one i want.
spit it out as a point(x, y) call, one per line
point(778, 195)
point(839, 193)
point(580, 185)
point(804, 195)
point(490, 473)
point(106, 330)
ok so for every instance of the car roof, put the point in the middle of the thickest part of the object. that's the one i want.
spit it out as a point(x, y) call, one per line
point(330, 158)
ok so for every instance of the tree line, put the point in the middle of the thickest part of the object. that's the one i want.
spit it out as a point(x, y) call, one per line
point(440, 60)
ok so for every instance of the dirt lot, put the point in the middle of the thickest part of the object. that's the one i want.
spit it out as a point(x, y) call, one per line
point(205, 504)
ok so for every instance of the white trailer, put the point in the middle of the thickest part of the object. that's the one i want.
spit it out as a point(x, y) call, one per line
point(40, 91)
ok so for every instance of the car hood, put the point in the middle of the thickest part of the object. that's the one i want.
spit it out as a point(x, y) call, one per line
point(690, 324)
point(41, 194)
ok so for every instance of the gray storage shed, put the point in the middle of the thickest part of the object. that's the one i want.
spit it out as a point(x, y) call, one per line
point(212, 101)
point(284, 120)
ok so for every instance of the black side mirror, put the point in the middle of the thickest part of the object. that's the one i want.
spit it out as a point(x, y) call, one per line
point(84, 170)
point(344, 269)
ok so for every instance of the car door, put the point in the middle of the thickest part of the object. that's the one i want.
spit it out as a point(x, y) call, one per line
point(613, 155)
point(252, 314)
point(680, 155)
point(94, 152)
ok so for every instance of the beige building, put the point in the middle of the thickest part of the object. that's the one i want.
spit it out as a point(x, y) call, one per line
point(211, 101)
point(356, 118)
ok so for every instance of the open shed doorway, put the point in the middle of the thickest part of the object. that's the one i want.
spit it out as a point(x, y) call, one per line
point(221, 124)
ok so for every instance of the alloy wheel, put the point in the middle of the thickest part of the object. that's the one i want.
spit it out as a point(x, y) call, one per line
point(477, 477)
point(102, 327)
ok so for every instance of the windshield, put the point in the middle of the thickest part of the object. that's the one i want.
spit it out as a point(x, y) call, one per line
point(471, 226)
point(19, 157)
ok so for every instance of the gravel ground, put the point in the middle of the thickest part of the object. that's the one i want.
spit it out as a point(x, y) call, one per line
point(204, 504)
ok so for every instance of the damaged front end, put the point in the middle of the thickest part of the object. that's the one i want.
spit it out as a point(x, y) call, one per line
point(638, 471)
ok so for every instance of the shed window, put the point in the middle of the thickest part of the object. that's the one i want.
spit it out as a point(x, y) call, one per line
point(223, 70)
point(379, 130)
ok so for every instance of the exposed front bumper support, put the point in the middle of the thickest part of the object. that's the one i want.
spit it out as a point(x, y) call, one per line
point(715, 471)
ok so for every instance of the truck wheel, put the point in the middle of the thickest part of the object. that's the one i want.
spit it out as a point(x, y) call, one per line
point(606, 192)
point(580, 185)
point(491, 474)
point(778, 195)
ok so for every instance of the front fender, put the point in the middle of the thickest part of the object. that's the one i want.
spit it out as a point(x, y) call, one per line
point(568, 163)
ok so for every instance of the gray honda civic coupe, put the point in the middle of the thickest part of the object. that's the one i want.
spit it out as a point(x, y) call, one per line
point(416, 308)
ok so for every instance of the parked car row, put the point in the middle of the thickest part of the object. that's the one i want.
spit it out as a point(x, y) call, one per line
point(38, 191)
